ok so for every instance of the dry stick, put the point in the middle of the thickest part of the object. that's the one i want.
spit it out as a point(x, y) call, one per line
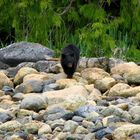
point(67, 8)
point(53, 59)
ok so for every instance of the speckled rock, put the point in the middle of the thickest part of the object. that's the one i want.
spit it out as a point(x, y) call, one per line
point(116, 89)
point(95, 95)
point(36, 76)
point(59, 96)
point(123, 68)
point(105, 84)
point(93, 74)
point(45, 129)
point(33, 126)
point(123, 132)
point(23, 72)
point(10, 126)
point(29, 86)
point(66, 83)
point(81, 130)
point(112, 110)
point(135, 113)
point(128, 92)
point(34, 102)
point(73, 102)
point(133, 76)
point(70, 126)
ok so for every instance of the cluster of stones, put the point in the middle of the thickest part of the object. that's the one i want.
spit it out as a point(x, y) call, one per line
point(101, 101)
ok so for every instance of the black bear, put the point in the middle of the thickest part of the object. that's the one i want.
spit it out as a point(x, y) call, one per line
point(69, 59)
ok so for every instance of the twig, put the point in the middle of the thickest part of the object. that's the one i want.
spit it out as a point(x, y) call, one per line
point(67, 8)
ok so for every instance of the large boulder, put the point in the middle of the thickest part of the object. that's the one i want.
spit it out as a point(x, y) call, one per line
point(24, 52)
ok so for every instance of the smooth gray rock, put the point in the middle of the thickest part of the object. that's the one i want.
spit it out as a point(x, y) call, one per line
point(30, 86)
point(57, 113)
point(116, 112)
point(24, 52)
point(84, 111)
point(43, 65)
point(103, 132)
point(4, 117)
point(34, 102)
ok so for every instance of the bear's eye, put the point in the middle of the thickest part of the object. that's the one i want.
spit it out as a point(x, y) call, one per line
point(72, 55)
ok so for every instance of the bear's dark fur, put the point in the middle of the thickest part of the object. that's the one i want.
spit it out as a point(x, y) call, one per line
point(69, 59)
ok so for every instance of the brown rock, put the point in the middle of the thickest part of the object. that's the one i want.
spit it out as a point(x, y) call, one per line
point(60, 96)
point(133, 76)
point(35, 76)
point(23, 72)
point(93, 74)
point(105, 83)
point(5, 81)
point(123, 68)
point(66, 83)
point(123, 132)
point(117, 89)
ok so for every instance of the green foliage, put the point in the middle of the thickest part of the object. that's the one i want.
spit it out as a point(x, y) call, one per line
point(55, 23)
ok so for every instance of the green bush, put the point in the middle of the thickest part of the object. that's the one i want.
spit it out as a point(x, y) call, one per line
point(96, 28)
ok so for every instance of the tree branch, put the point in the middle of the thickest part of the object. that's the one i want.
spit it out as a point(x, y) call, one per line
point(67, 8)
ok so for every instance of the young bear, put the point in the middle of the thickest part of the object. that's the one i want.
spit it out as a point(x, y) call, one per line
point(69, 59)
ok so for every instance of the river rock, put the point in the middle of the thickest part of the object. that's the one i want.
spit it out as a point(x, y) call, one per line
point(133, 76)
point(57, 113)
point(112, 110)
point(95, 95)
point(70, 126)
point(84, 111)
point(10, 126)
point(59, 96)
point(123, 68)
point(105, 84)
point(5, 81)
point(13, 54)
point(54, 68)
point(34, 102)
point(57, 123)
point(123, 132)
point(45, 129)
point(81, 130)
point(34, 76)
point(82, 63)
point(66, 83)
point(105, 132)
point(128, 92)
point(23, 72)
point(93, 74)
point(8, 90)
point(100, 62)
point(43, 65)
point(35, 86)
point(4, 117)
point(33, 126)
point(135, 113)
point(73, 102)
point(118, 88)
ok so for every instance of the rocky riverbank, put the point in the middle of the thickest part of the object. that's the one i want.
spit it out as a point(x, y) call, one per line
point(38, 102)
